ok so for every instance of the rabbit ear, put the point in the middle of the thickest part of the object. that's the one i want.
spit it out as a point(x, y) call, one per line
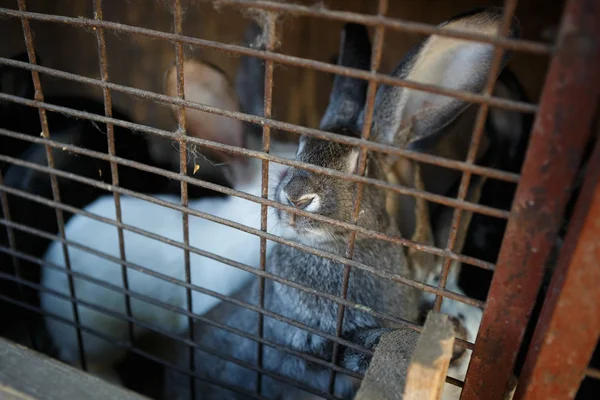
point(250, 80)
point(208, 85)
point(348, 94)
point(405, 115)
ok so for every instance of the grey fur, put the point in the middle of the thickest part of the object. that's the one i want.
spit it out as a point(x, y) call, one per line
point(335, 200)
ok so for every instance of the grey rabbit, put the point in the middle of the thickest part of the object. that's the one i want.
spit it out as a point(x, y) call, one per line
point(401, 117)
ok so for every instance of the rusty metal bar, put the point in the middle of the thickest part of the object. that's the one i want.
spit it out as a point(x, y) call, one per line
point(10, 234)
point(373, 146)
point(448, 201)
point(255, 271)
point(278, 58)
point(142, 232)
point(135, 350)
point(271, 27)
point(182, 133)
point(593, 373)
point(193, 345)
point(478, 129)
point(555, 367)
point(176, 309)
point(39, 96)
point(569, 100)
point(224, 190)
point(110, 131)
point(257, 232)
point(382, 8)
point(319, 11)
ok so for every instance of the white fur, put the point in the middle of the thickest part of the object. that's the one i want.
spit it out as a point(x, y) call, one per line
point(160, 257)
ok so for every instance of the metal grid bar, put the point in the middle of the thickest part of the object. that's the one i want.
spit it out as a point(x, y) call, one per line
point(135, 350)
point(380, 22)
point(39, 96)
point(222, 189)
point(165, 333)
point(277, 239)
point(167, 278)
point(182, 132)
point(220, 259)
point(183, 311)
point(10, 234)
point(271, 27)
point(110, 131)
point(478, 129)
point(279, 58)
point(391, 23)
point(372, 146)
point(554, 368)
point(593, 373)
point(361, 166)
point(568, 104)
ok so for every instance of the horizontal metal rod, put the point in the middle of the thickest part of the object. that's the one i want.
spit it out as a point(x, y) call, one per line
point(297, 129)
point(593, 373)
point(243, 195)
point(179, 310)
point(125, 345)
point(229, 299)
point(438, 199)
point(155, 329)
point(318, 11)
point(257, 232)
point(279, 58)
point(170, 307)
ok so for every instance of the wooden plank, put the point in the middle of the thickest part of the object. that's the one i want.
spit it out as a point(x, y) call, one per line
point(386, 376)
point(431, 358)
point(28, 375)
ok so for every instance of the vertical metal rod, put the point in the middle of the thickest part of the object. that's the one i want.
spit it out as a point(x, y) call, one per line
point(271, 27)
point(110, 131)
point(184, 188)
point(478, 130)
point(382, 8)
point(561, 131)
point(569, 324)
point(12, 243)
point(39, 96)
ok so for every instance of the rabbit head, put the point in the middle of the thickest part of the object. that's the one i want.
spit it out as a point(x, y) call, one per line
point(208, 85)
point(322, 194)
point(402, 117)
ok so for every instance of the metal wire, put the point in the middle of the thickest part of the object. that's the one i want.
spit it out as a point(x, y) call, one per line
point(334, 257)
point(478, 129)
point(39, 96)
point(593, 373)
point(279, 58)
point(372, 146)
point(382, 7)
point(231, 192)
point(396, 24)
point(110, 132)
point(271, 28)
point(380, 22)
point(182, 132)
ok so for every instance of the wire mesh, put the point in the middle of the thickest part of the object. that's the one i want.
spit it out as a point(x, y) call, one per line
point(468, 169)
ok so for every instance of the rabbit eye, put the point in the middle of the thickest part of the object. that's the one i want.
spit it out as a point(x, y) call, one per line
point(302, 202)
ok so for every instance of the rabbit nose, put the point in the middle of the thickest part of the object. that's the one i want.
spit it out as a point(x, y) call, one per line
point(300, 202)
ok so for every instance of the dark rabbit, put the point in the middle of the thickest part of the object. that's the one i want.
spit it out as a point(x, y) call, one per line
point(402, 116)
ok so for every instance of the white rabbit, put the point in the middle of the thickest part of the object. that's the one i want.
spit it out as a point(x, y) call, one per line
point(206, 85)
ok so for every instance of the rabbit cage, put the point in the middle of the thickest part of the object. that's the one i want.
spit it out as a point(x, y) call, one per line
point(239, 198)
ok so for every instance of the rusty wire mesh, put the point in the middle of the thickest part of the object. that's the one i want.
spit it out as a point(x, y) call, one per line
point(381, 23)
